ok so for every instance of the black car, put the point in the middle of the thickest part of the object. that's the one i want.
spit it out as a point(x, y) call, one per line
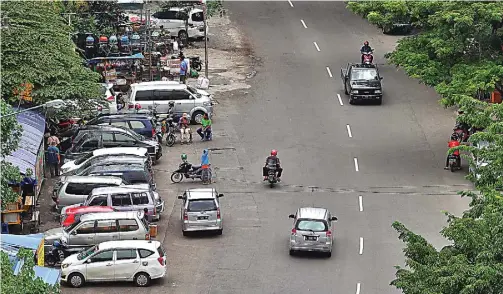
point(142, 124)
point(90, 138)
point(362, 82)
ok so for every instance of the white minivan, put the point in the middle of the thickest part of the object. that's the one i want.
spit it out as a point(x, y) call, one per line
point(172, 20)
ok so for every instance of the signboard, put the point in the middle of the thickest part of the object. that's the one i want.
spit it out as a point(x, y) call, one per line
point(110, 75)
point(174, 65)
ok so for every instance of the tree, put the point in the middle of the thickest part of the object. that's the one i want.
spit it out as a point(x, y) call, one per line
point(39, 61)
point(472, 264)
point(24, 282)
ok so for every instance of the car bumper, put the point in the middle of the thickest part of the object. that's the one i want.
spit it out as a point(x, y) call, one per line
point(366, 97)
point(311, 247)
point(193, 227)
point(160, 274)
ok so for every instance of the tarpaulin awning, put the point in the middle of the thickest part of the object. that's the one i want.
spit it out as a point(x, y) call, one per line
point(101, 59)
point(25, 156)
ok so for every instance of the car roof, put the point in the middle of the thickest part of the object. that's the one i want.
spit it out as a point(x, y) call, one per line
point(180, 8)
point(127, 159)
point(111, 215)
point(140, 151)
point(158, 85)
point(104, 128)
point(93, 180)
point(80, 209)
point(123, 167)
point(121, 189)
point(150, 244)
point(132, 116)
point(201, 193)
point(312, 212)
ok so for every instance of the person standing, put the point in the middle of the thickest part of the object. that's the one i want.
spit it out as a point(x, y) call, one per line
point(53, 138)
point(183, 69)
point(53, 158)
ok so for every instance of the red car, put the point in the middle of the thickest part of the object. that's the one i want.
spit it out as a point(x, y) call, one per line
point(73, 214)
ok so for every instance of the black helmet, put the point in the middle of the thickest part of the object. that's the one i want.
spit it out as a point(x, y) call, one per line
point(171, 103)
point(454, 137)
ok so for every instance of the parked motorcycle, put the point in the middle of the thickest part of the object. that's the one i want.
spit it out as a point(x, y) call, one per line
point(195, 63)
point(189, 171)
point(368, 57)
point(58, 253)
point(454, 162)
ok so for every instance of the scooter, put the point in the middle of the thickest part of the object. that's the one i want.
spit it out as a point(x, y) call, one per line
point(368, 57)
point(58, 253)
point(453, 163)
point(195, 63)
point(189, 171)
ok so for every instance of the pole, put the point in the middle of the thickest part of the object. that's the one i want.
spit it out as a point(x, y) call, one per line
point(205, 41)
point(149, 46)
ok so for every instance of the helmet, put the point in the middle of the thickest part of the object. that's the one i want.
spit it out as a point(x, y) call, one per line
point(184, 156)
point(366, 43)
point(124, 39)
point(454, 137)
point(103, 39)
point(113, 39)
point(274, 152)
point(89, 40)
point(56, 244)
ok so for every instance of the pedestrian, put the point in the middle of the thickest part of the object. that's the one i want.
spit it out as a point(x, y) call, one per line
point(205, 166)
point(205, 130)
point(183, 69)
point(53, 138)
point(53, 158)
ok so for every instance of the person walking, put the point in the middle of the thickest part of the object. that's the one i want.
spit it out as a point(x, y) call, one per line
point(53, 158)
point(53, 138)
point(183, 69)
point(205, 130)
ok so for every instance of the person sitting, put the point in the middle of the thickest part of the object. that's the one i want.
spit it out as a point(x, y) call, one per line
point(272, 160)
point(205, 130)
point(454, 142)
point(184, 125)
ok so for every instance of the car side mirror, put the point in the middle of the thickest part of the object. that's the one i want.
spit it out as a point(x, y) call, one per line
point(291, 216)
point(89, 260)
point(380, 78)
point(73, 233)
point(220, 195)
point(180, 197)
point(334, 218)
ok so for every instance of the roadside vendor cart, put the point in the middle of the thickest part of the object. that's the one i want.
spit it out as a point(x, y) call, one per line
point(121, 71)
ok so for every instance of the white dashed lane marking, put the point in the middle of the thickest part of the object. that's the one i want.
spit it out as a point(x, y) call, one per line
point(329, 72)
point(360, 202)
point(303, 23)
point(317, 47)
point(361, 245)
point(340, 99)
point(290, 2)
point(349, 131)
point(356, 164)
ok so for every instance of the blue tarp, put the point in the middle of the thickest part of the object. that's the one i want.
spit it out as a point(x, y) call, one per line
point(11, 244)
point(25, 156)
point(101, 59)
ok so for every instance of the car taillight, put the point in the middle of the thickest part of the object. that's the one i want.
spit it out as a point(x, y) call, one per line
point(294, 231)
point(218, 213)
point(185, 216)
point(137, 106)
point(155, 211)
point(153, 133)
point(147, 236)
point(329, 233)
point(130, 106)
point(110, 98)
point(161, 260)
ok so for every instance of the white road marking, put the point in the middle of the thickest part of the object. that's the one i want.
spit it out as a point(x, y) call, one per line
point(316, 45)
point(358, 288)
point(329, 72)
point(349, 131)
point(360, 202)
point(303, 23)
point(361, 245)
point(290, 2)
point(356, 164)
point(340, 99)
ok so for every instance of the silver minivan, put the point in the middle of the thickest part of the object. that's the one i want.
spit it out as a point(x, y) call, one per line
point(94, 228)
point(158, 94)
point(201, 211)
point(312, 230)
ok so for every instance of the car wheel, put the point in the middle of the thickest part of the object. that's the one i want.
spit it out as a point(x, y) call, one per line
point(379, 101)
point(346, 89)
point(219, 232)
point(329, 254)
point(197, 117)
point(142, 279)
point(76, 280)
point(351, 101)
point(292, 252)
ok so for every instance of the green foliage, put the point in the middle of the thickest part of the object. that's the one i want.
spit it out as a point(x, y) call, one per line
point(36, 49)
point(23, 282)
point(473, 264)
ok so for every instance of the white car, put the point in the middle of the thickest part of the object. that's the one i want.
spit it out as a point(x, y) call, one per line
point(139, 261)
point(173, 22)
point(68, 167)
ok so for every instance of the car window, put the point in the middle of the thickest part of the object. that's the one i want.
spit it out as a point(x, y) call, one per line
point(99, 201)
point(82, 189)
point(106, 226)
point(136, 177)
point(136, 124)
point(180, 95)
point(86, 228)
point(201, 205)
point(198, 16)
point(144, 253)
point(311, 225)
point(123, 254)
point(144, 95)
point(103, 256)
point(89, 145)
point(120, 124)
point(121, 200)
point(123, 138)
point(128, 225)
point(139, 198)
point(107, 137)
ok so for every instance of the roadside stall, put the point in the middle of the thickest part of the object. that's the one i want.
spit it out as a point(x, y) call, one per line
point(121, 71)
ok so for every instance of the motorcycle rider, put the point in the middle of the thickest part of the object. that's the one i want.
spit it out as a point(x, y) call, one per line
point(454, 142)
point(462, 126)
point(366, 48)
point(184, 125)
point(274, 158)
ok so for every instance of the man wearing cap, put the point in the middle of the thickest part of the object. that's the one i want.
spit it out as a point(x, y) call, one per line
point(184, 125)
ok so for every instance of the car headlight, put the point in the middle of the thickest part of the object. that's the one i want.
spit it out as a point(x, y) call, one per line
point(65, 265)
point(378, 91)
point(207, 103)
point(354, 92)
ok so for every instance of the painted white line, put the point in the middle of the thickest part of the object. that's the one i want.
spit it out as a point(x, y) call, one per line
point(349, 131)
point(360, 202)
point(356, 164)
point(340, 99)
point(361, 245)
point(329, 72)
point(303, 23)
point(290, 2)
point(316, 45)
point(358, 288)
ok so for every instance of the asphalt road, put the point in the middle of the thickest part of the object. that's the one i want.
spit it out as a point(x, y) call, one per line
point(388, 167)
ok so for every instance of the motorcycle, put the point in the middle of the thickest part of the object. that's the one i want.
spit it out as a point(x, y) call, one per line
point(272, 176)
point(454, 162)
point(58, 253)
point(169, 128)
point(189, 171)
point(195, 63)
point(368, 57)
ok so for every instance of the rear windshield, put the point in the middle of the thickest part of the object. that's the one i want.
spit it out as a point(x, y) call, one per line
point(136, 177)
point(311, 225)
point(160, 250)
point(202, 205)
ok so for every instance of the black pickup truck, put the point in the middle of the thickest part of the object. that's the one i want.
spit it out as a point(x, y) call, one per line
point(362, 82)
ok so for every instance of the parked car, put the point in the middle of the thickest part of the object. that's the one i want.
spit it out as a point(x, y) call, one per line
point(138, 261)
point(187, 99)
point(131, 173)
point(73, 214)
point(201, 210)
point(125, 198)
point(91, 138)
point(172, 19)
point(142, 124)
point(75, 189)
point(312, 230)
point(94, 228)
point(117, 160)
point(98, 154)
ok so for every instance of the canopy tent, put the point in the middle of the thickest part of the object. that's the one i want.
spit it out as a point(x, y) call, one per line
point(102, 59)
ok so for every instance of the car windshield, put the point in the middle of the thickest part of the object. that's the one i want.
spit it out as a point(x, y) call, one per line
point(136, 136)
point(87, 252)
point(70, 227)
point(364, 74)
point(311, 225)
point(193, 91)
point(201, 205)
point(83, 158)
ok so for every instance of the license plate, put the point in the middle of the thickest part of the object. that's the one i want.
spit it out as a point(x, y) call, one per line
point(311, 238)
point(202, 218)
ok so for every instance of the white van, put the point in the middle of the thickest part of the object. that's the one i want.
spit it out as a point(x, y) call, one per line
point(173, 21)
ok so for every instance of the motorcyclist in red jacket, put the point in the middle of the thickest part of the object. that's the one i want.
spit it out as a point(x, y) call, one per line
point(454, 142)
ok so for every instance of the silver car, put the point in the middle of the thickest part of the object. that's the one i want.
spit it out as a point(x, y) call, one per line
point(201, 211)
point(312, 230)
